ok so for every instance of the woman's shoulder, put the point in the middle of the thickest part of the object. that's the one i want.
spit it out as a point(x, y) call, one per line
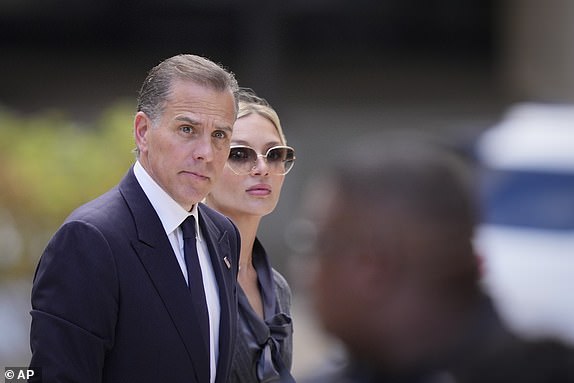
point(283, 291)
point(280, 281)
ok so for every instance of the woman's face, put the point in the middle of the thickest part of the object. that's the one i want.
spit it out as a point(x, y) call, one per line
point(256, 193)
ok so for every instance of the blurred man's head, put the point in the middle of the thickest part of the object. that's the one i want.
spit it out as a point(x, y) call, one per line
point(394, 242)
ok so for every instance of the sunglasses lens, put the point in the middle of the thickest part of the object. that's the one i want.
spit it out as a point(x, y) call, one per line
point(242, 159)
point(279, 154)
point(281, 159)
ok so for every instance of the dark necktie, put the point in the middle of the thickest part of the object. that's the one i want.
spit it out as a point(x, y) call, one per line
point(195, 280)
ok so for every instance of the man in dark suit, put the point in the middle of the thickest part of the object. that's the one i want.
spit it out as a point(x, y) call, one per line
point(119, 294)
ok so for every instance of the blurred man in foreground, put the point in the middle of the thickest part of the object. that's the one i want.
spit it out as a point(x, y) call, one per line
point(397, 280)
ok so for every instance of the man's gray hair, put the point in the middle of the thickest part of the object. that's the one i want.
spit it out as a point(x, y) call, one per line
point(157, 86)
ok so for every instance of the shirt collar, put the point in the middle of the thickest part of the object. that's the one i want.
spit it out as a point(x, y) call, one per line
point(170, 213)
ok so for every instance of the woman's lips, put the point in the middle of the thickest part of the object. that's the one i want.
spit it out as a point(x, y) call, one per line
point(259, 189)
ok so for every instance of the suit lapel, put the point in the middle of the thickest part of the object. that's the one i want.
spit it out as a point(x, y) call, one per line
point(156, 254)
point(219, 251)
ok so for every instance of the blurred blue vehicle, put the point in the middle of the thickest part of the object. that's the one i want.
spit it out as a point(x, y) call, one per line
point(526, 238)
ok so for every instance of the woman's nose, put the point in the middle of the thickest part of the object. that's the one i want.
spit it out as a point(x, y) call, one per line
point(261, 166)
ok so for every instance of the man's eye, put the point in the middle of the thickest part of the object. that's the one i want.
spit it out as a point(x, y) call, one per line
point(220, 134)
point(186, 129)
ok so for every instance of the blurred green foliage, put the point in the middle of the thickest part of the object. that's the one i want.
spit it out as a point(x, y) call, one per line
point(50, 165)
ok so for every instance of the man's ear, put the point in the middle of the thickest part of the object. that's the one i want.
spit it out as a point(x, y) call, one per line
point(142, 124)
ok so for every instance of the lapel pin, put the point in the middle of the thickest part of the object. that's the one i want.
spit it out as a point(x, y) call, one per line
point(227, 262)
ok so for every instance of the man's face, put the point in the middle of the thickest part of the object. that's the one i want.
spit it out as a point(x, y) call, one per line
point(337, 294)
point(186, 149)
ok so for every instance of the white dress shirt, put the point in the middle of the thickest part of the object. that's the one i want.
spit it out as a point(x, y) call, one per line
point(172, 215)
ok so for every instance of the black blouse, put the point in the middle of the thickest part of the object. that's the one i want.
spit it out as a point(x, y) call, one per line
point(263, 351)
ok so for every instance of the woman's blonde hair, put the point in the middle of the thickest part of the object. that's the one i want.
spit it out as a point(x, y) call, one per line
point(250, 103)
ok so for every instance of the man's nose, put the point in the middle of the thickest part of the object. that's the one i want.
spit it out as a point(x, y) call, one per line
point(203, 148)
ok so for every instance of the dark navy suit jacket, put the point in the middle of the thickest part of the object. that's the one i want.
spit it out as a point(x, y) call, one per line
point(110, 303)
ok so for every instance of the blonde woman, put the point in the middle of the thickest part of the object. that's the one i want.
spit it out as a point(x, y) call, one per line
point(249, 189)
